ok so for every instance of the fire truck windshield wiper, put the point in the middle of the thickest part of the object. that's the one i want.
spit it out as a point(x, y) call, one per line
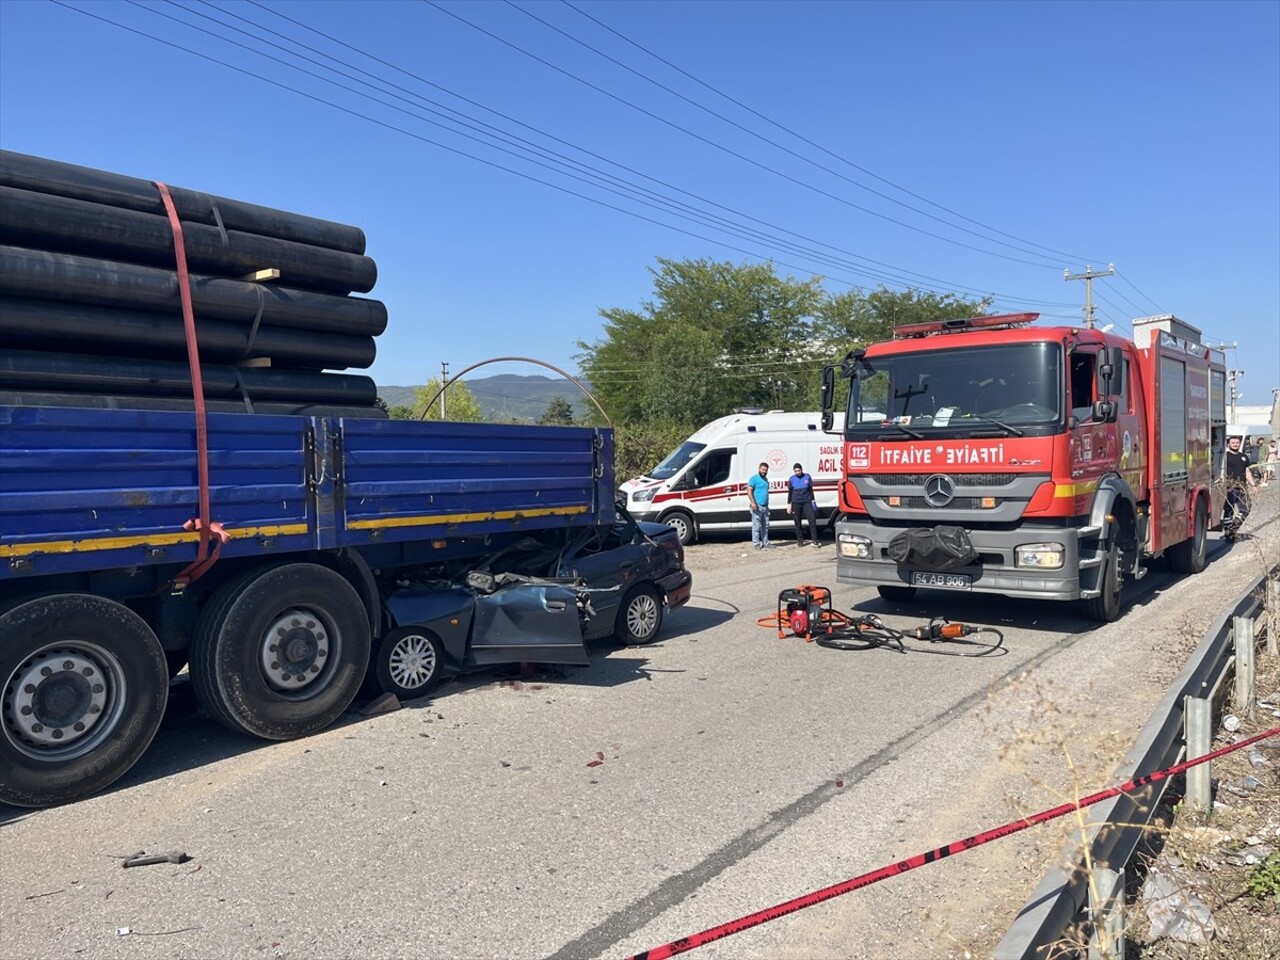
point(1012, 431)
point(914, 435)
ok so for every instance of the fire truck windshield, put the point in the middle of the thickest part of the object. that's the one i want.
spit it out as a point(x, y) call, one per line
point(1010, 389)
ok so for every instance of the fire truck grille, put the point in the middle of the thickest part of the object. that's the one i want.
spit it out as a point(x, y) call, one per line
point(959, 479)
point(957, 503)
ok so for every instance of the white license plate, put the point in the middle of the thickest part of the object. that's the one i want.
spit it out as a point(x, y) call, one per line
point(954, 581)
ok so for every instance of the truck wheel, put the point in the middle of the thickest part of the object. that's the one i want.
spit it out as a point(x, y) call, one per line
point(84, 687)
point(407, 662)
point(639, 617)
point(1105, 607)
point(280, 652)
point(1191, 555)
point(684, 526)
point(897, 594)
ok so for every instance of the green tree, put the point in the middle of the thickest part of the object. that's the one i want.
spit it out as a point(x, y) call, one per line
point(715, 336)
point(559, 413)
point(459, 403)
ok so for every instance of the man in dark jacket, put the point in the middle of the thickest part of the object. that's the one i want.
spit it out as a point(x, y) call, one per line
point(1239, 480)
point(800, 504)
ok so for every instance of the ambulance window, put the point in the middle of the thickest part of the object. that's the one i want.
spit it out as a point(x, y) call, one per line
point(1082, 367)
point(713, 469)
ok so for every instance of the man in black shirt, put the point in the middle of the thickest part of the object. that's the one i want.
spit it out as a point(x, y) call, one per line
point(1235, 470)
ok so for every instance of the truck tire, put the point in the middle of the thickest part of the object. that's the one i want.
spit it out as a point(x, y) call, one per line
point(280, 652)
point(1105, 607)
point(1190, 556)
point(683, 524)
point(83, 687)
point(407, 662)
point(896, 594)
point(639, 616)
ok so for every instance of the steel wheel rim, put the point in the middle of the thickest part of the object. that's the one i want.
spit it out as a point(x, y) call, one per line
point(296, 649)
point(63, 701)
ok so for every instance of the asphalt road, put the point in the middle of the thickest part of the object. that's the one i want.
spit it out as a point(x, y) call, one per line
point(738, 770)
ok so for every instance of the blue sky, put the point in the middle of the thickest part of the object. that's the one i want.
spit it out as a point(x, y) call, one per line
point(856, 141)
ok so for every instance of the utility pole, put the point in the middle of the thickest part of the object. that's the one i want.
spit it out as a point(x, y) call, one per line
point(444, 378)
point(1088, 278)
point(1232, 377)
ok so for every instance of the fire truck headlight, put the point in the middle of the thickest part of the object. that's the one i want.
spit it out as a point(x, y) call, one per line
point(1044, 556)
point(643, 496)
point(854, 547)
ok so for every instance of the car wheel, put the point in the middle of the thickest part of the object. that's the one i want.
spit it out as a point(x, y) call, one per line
point(640, 616)
point(897, 594)
point(408, 661)
point(684, 525)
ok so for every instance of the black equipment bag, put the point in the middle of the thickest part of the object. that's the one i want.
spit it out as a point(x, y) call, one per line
point(933, 548)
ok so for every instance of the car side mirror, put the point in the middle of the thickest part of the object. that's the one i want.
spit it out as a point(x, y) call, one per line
point(1104, 411)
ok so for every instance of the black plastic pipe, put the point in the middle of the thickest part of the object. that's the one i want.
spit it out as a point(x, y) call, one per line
point(60, 276)
point(48, 222)
point(22, 398)
point(98, 186)
point(81, 328)
point(76, 373)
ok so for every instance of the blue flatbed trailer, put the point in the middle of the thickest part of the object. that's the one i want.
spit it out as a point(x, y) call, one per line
point(320, 515)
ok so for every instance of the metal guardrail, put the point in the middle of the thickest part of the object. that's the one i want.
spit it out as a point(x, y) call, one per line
point(1116, 827)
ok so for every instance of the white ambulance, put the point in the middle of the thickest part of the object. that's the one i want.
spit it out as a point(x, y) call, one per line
point(702, 485)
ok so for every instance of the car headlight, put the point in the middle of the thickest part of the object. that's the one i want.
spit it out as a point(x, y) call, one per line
point(1044, 556)
point(854, 547)
point(643, 496)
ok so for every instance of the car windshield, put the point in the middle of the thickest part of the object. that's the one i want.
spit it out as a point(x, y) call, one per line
point(1009, 390)
point(677, 460)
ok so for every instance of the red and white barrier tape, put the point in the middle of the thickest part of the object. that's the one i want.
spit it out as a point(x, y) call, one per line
point(875, 876)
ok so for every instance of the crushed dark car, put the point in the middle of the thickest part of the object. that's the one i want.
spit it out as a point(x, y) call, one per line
point(536, 601)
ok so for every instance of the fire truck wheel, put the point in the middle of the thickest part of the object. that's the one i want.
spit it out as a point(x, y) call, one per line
point(897, 594)
point(1105, 607)
point(684, 526)
point(280, 652)
point(83, 687)
point(1190, 555)
point(639, 616)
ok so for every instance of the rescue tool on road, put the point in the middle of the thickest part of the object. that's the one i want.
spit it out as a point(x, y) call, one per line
point(992, 456)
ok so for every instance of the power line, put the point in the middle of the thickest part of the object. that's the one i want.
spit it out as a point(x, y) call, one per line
point(721, 147)
point(816, 146)
point(758, 136)
point(698, 216)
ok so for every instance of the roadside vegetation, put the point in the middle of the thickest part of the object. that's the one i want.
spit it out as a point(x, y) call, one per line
point(716, 336)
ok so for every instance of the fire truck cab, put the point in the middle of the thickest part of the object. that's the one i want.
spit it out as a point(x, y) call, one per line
point(993, 456)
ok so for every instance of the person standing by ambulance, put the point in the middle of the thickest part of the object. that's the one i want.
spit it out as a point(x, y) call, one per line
point(758, 498)
point(800, 504)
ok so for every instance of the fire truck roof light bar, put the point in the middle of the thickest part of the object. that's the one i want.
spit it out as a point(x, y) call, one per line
point(960, 326)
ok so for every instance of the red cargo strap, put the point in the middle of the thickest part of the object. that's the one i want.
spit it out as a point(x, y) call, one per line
point(203, 560)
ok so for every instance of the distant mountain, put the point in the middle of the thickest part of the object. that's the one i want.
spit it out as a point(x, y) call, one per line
point(506, 397)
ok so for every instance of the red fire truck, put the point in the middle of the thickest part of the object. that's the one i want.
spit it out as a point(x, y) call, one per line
point(992, 456)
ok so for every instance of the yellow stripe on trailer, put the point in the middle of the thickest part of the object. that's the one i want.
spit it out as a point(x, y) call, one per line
point(145, 540)
point(443, 519)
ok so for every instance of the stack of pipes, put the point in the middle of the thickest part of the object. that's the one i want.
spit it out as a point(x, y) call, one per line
point(90, 308)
